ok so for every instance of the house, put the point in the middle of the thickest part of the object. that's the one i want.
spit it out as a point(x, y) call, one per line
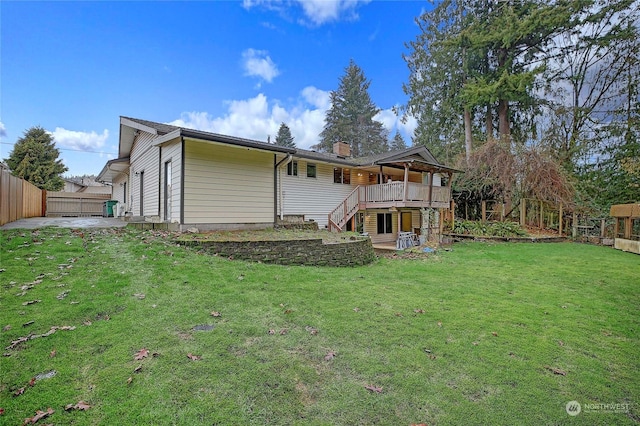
point(86, 185)
point(211, 181)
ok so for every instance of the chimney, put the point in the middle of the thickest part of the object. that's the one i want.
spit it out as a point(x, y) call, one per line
point(342, 149)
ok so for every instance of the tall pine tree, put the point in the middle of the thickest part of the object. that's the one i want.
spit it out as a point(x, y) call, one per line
point(284, 137)
point(397, 142)
point(350, 118)
point(34, 158)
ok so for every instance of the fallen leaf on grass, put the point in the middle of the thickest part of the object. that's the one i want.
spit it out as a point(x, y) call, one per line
point(373, 388)
point(28, 323)
point(86, 323)
point(419, 311)
point(311, 330)
point(18, 392)
point(288, 311)
point(556, 370)
point(494, 333)
point(6, 328)
point(1, 411)
point(398, 314)
point(439, 323)
point(216, 314)
point(560, 342)
point(272, 331)
point(283, 331)
point(141, 354)
point(329, 356)
point(39, 415)
point(32, 382)
point(52, 353)
point(356, 309)
point(81, 405)
point(194, 357)
point(140, 296)
point(137, 369)
point(129, 380)
point(474, 343)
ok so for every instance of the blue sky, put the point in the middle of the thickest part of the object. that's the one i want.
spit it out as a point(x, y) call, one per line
point(233, 67)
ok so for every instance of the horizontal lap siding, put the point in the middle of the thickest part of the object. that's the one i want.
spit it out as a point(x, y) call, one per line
point(172, 152)
point(226, 185)
point(316, 197)
point(144, 157)
point(118, 192)
point(371, 226)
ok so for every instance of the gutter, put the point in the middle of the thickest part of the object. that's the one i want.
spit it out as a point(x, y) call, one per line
point(277, 185)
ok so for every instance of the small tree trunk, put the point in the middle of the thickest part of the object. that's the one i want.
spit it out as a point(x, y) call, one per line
point(489, 122)
point(503, 117)
point(467, 134)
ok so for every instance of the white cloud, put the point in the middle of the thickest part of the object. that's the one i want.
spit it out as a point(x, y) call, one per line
point(81, 141)
point(258, 63)
point(316, 12)
point(3, 130)
point(257, 118)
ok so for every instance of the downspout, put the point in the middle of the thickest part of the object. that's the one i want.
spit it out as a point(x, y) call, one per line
point(277, 185)
point(182, 173)
point(160, 192)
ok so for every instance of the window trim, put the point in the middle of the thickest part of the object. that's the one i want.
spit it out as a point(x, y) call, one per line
point(387, 225)
point(292, 168)
point(315, 170)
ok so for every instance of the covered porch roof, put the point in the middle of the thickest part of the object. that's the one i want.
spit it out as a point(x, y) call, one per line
point(113, 168)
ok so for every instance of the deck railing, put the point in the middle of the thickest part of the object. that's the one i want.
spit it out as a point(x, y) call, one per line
point(385, 193)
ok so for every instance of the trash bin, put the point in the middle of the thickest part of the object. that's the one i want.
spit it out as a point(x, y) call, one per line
point(108, 207)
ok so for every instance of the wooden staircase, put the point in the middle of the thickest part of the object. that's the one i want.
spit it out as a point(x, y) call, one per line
point(341, 215)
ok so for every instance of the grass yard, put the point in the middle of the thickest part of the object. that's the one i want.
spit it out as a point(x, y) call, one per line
point(486, 334)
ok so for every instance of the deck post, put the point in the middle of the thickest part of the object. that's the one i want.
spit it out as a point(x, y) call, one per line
point(406, 181)
point(430, 187)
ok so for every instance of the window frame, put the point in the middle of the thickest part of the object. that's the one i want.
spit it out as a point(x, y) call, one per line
point(386, 222)
point(342, 175)
point(312, 166)
point(292, 168)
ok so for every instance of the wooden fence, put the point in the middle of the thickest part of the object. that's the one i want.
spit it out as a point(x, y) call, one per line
point(19, 199)
point(75, 204)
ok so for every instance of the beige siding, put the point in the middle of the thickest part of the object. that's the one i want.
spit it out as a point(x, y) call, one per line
point(118, 193)
point(371, 226)
point(316, 197)
point(172, 152)
point(227, 185)
point(145, 158)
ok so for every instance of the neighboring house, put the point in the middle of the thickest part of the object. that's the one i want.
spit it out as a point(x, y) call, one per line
point(211, 181)
point(85, 185)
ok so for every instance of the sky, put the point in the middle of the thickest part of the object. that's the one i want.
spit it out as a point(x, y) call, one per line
point(238, 68)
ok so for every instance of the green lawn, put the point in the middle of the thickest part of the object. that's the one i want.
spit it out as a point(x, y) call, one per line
point(486, 334)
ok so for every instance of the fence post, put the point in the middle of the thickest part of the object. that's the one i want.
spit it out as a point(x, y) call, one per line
point(523, 212)
point(574, 231)
point(602, 226)
point(484, 211)
point(560, 221)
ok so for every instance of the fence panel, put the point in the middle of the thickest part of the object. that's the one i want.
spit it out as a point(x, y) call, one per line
point(75, 204)
point(18, 198)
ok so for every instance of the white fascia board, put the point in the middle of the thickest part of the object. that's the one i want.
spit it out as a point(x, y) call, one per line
point(136, 125)
point(166, 138)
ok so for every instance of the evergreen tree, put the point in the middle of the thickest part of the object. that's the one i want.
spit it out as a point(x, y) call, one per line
point(284, 138)
point(397, 142)
point(350, 118)
point(34, 158)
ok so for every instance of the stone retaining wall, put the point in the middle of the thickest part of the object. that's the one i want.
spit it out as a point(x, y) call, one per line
point(292, 252)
